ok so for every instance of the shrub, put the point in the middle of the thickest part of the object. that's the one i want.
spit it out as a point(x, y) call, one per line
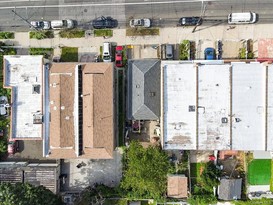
point(69, 54)
point(72, 33)
point(103, 32)
point(242, 54)
point(6, 35)
point(184, 49)
point(142, 31)
point(41, 34)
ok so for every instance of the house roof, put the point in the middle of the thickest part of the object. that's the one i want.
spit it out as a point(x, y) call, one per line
point(143, 89)
point(81, 107)
point(217, 105)
point(230, 189)
point(35, 174)
point(24, 75)
point(177, 186)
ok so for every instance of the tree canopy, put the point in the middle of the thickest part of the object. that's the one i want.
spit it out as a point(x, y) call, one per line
point(145, 172)
point(26, 194)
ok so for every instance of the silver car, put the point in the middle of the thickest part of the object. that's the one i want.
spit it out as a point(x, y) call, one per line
point(43, 25)
point(140, 23)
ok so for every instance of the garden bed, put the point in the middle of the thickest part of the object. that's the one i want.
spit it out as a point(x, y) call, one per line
point(6, 35)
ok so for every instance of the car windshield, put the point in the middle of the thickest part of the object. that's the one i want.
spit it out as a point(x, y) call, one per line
point(106, 57)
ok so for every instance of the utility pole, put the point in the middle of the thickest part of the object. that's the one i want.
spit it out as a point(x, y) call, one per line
point(23, 19)
point(203, 9)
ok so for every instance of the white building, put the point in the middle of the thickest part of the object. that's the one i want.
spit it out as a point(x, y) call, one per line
point(217, 106)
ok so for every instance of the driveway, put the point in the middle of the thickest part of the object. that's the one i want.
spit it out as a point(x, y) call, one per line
point(107, 172)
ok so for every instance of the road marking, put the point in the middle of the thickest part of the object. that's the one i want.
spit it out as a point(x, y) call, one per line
point(105, 4)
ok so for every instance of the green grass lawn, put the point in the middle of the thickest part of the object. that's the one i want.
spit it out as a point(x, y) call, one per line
point(142, 31)
point(69, 54)
point(259, 172)
point(271, 178)
point(103, 32)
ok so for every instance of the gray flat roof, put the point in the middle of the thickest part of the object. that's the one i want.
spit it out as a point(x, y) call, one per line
point(217, 106)
point(24, 75)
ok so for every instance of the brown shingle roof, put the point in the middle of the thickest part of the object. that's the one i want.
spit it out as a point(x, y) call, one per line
point(97, 109)
point(177, 186)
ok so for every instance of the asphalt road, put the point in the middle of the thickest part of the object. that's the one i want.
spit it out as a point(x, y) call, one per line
point(163, 12)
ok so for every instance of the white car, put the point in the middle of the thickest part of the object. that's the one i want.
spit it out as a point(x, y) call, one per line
point(62, 24)
point(44, 25)
point(140, 23)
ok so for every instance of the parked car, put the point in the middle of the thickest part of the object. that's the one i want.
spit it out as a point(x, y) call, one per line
point(41, 25)
point(119, 60)
point(209, 54)
point(62, 24)
point(140, 23)
point(13, 146)
point(190, 21)
point(104, 22)
point(107, 52)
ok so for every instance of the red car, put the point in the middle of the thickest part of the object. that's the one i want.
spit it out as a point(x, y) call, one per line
point(119, 62)
point(13, 146)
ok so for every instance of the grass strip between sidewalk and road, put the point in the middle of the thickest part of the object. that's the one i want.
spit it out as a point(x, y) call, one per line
point(103, 32)
point(41, 34)
point(76, 33)
point(69, 54)
point(6, 35)
point(142, 31)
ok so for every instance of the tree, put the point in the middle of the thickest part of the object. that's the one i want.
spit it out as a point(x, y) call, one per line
point(26, 194)
point(145, 174)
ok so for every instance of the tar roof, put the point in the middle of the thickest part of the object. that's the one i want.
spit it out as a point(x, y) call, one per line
point(217, 106)
point(24, 75)
point(230, 189)
point(81, 106)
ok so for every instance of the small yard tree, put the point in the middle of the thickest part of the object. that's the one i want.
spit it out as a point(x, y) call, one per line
point(145, 174)
point(26, 194)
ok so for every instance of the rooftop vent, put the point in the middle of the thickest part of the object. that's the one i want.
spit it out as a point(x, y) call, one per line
point(36, 89)
point(237, 119)
point(137, 86)
point(191, 108)
point(37, 118)
point(224, 120)
point(152, 94)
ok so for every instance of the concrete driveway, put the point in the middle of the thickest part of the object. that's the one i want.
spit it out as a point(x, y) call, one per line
point(107, 172)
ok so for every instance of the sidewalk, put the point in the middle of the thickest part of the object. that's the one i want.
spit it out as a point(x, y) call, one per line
point(170, 35)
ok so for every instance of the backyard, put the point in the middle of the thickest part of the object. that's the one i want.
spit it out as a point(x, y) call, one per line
point(259, 172)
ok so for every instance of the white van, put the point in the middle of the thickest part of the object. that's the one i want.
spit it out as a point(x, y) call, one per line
point(107, 52)
point(242, 18)
point(62, 24)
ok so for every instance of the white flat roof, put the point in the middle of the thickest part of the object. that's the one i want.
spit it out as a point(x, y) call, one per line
point(270, 109)
point(231, 104)
point(23, 74)
point(179, 122)
point(248, 105)
point(213, 107)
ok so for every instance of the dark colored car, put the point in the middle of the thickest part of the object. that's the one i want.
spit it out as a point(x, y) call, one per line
point(209, 54)
point(190, 21)
point(104, 22)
